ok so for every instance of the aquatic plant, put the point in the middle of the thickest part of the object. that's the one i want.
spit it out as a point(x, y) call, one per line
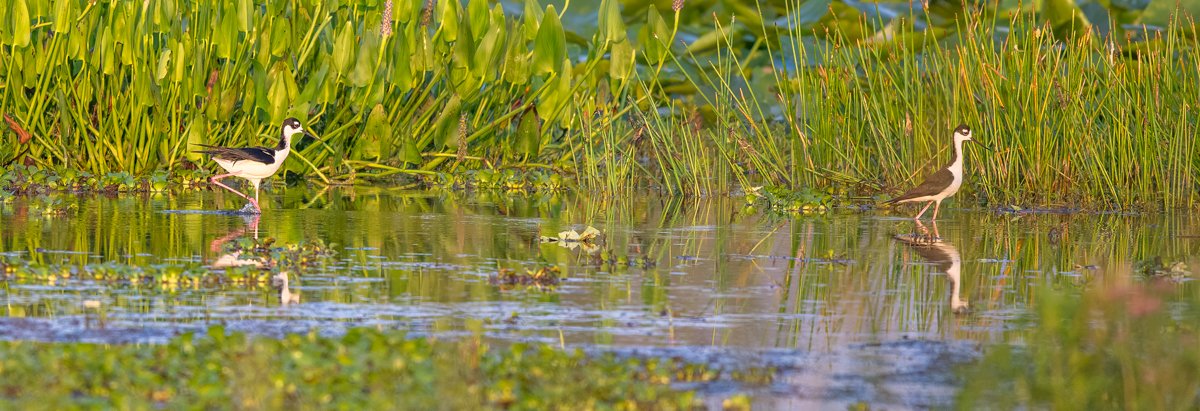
point(819, 95)
point(362, 369)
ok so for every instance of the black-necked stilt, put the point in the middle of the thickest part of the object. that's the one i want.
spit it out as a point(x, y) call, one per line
point(943, 183)
point(254, 163)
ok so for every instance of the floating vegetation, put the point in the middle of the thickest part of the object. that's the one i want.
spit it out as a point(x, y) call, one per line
point(1155, 268)
point(543, 278)
point(29, 180)
point(780, 199)
point(267, 255)
point(586, 240)
point(363, 369)
point(510, 180)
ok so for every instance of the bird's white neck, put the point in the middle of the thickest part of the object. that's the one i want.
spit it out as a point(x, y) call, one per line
point(956, 165)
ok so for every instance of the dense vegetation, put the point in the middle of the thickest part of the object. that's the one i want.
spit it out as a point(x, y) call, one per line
point(694, 98)
point(363, 369)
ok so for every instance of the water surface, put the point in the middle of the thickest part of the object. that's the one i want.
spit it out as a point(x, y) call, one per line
point(850, 311)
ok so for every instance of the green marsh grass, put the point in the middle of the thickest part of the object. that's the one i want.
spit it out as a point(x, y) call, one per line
point(826, 100)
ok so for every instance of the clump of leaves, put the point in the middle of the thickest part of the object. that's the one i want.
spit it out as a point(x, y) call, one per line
point(779, 199)
point(1155, 268)
point(297, 257)
point(543, 278)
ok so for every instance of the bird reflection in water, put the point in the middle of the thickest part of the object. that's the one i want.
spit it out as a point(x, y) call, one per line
point(236, 259)
point(943, 255)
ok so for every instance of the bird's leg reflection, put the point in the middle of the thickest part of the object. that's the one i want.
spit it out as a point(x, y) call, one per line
point(923, 234)
point(944, 256)
point(233, 259)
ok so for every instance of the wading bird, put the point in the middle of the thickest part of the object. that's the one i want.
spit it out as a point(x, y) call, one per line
point(254, 163)
point(943, 183)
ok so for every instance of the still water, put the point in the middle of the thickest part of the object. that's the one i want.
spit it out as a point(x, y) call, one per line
point(854, 306)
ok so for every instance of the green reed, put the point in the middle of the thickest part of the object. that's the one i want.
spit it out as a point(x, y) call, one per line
point(830, 101)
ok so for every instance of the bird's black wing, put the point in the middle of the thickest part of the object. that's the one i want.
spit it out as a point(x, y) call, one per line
point(259, 154)
point(932, 185)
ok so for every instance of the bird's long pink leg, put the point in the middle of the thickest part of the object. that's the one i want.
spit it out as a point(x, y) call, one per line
point(938, 204)
point(918, 217)
point(217, 180)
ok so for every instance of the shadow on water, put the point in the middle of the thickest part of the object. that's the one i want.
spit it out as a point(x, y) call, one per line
point(851, 306)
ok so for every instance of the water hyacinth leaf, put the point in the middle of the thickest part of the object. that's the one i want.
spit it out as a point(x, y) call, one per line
point(533, 19)
point(343, 50)
point(19, 21)
point(554, 101)
point(550, 46)
point(64, 16)
point(612, 28)
point(314, 83)
point(197, 134)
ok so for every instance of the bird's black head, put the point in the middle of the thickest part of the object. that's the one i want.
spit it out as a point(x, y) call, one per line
point(962, 132)
point(292, 127)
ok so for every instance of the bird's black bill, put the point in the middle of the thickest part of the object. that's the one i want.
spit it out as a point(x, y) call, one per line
point(985, 147)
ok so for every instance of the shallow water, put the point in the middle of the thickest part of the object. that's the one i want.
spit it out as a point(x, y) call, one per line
point(849, 312)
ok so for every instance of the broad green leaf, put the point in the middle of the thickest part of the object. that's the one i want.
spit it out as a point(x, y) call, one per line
point(446, 129)
point(368, 55)
point(343, 50)
point(550, 46)
point(479, 14)
point(533, 19)
point(622, 60)
point(376, 134)
point(529, 140)
point(402, 76)
point(225, 37)
point(449, 19)
point(19, 15)
point(281, 36)
point(612, 28)
point(411, 154)
point(516, 62)
point(245, 15)
point(179, 68)
point(655, 37)
point(64, 16)
point(164, 62)
point(1065, 17)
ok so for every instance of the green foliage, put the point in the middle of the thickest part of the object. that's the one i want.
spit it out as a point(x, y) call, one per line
point(363, 369)
point(1124, 348)
point(1083, 106)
